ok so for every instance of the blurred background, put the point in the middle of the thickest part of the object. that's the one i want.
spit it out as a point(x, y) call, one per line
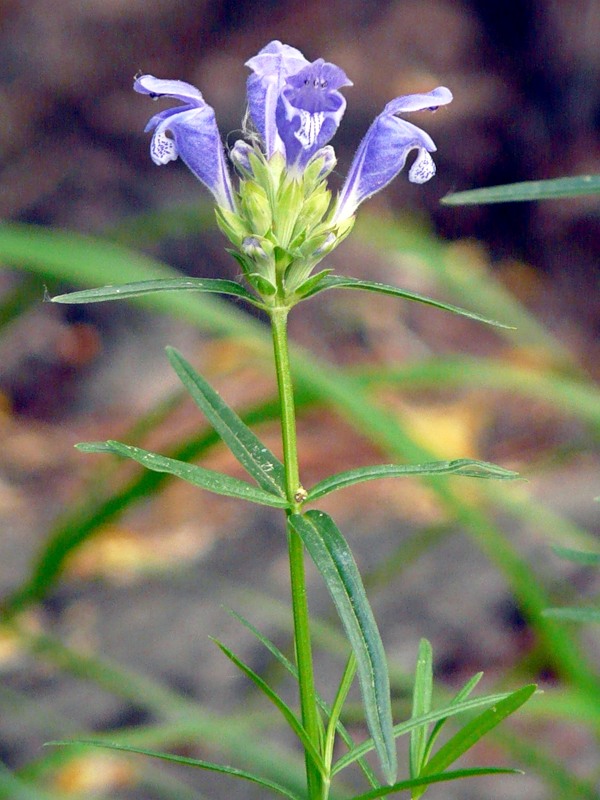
point(111, 585)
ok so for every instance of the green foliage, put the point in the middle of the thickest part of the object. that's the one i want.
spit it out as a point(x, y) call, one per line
point(552, 189)
point(258, 460)
point(422, 694)
point(460, 466)
point(86, 261)
point(332, 557)
point(189, 762)
point(208, 479)
point(342, 282)
point(576, 614)
point(126, 291)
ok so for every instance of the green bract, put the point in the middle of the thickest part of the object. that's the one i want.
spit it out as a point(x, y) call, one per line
point(283, 228)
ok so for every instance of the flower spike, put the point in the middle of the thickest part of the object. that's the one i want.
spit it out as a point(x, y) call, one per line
point(382, 153)
point(195, 135)
point(280, 218)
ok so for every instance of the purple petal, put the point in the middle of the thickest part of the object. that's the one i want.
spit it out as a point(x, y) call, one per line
point(194, 135)
point(273, 64)
point(420, 102)
point(178, 90)
point(309, 110)
point(382, 153)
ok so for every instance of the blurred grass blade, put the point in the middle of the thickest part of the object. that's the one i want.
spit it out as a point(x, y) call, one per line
point(252, 454)
point(474, 730)
point(332, 557)
point(343, 282)
point(527, 190)
point(406, 727)
point(190, 762)
point(271, 646)
point(568, 394)
point(85, 519)
point(458, 270)
point(454, 775)
point(13, 787)
point(126, 291)
point(287, 713)
point(574, 614)
point(208, 479)
point(467, 467)
point(421, 705)
point(236, 739)
point(578, 556)
point(18, 298)
point(71, 257)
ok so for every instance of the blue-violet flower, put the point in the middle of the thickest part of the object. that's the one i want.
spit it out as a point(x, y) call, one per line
point(281, 219)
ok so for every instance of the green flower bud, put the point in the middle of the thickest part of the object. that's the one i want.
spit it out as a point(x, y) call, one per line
point(232, 225)
point(256, 207)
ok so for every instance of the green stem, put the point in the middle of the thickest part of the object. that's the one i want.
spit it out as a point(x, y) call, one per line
point(310, 716)
point(286, 402)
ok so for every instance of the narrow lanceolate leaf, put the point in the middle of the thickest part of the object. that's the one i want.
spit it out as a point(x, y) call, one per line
point(421, 704)
point(573, 614)
point(410, 725)
point(527, 190)
point(332, 557)
point(189, 762)
point(325, 707)
point(343, 282)
point(454, 775)
point(126, 291)
point(287, 713)
point(205, 478)
point(474, 730)
point(258, 460)
point(460, 466)
point(461, 695)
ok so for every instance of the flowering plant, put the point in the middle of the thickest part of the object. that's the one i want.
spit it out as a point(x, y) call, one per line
point(282, 221)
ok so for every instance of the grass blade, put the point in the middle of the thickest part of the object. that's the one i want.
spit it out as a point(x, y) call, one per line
point(252, 454)
point(578, 556)
point(573, 614)
point(527, 190)
point(332, 557)
point(12, 787)
point(190, 762)
point(200, 476)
